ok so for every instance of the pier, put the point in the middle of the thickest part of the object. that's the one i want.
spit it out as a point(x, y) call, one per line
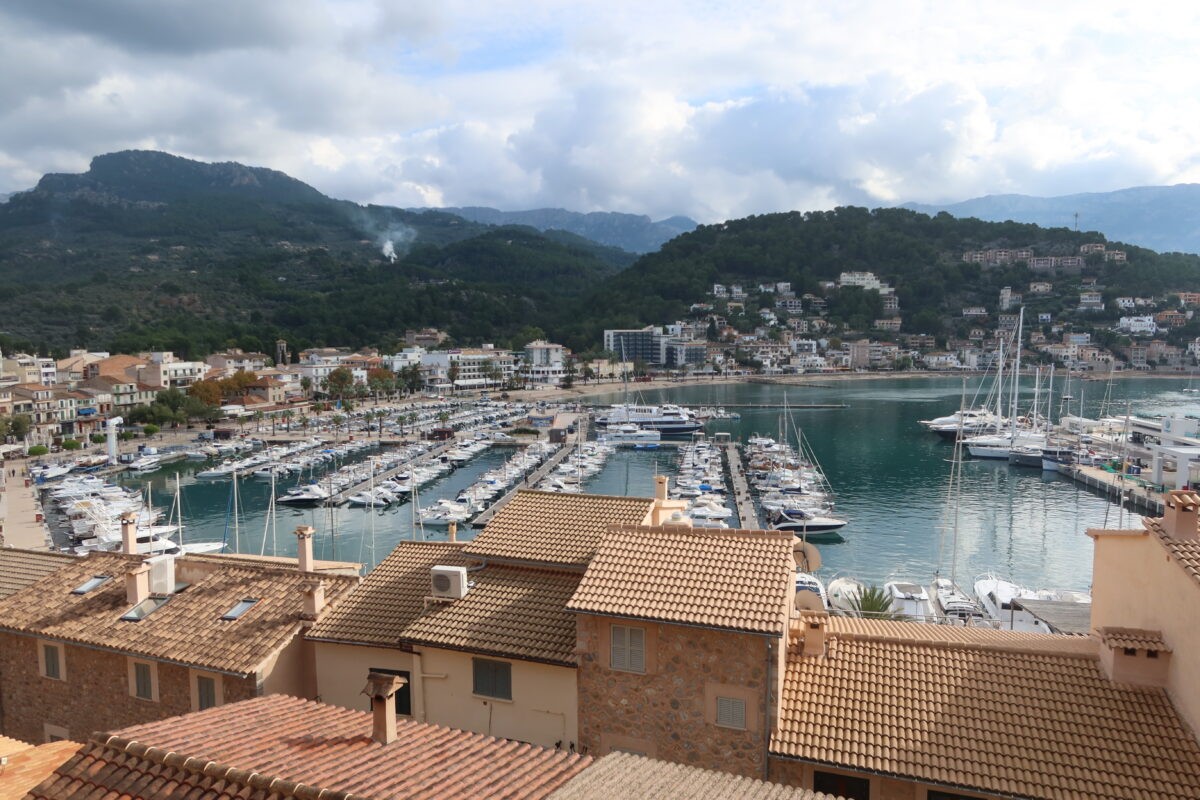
point(484, 517)
point(1120, 488)
point(343, 496)
point(747, 513)
point(750, 406)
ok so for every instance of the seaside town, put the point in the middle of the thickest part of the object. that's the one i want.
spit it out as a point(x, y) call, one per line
point(423, 401)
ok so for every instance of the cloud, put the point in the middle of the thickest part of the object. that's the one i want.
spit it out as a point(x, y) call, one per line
point(709, 110)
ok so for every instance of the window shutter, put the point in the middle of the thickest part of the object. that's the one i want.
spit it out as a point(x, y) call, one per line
point(141, 677)
point(620, 647)
point(206, 692)
point(731, 712)
point(50, 654)
point(637, 650)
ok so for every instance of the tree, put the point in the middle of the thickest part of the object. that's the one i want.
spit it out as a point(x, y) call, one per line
point(287, 418)
point(19, 425)
point(338, 420)
point(588, 374)
point(257, 417)
point(306, 385)
point(381, 380)
point(38, 450)
point(150, 429)
point(452, 375)
point(339, 382)
point(872, 601)
point(569, 379)
point(71, 444)
point(207, 392)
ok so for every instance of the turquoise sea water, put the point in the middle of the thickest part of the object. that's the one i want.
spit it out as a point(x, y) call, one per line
point(890, 476)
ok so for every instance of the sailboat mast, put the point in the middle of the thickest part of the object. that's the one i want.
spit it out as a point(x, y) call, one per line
point(236, 528)
point(999, 389)
point(179, 509)
point(1016, 379)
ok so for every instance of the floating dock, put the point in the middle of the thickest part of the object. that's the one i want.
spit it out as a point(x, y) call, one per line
point(340, 498)
point(747, 513)
point(484, 517)
point(1120, 488)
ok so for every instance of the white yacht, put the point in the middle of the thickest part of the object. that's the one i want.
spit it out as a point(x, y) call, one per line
point(844, 594)
point(910, 600)
point(952, 605)
point(996, 595)
point(970, 422)
point(667, 419)
point(811, 524)
point(312, 494)
point(629, 433)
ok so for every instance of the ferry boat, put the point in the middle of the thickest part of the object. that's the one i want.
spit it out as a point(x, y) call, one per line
point(667, 419)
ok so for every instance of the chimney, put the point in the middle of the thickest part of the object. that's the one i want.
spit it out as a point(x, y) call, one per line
point(813, 626)
point(453, 531)
point(314, 600)
point(129, 534)
point(1133, 655)
point(381, 689)
point(137, 584)
point(1179, 514)
point(304, 551)
point(660, 487)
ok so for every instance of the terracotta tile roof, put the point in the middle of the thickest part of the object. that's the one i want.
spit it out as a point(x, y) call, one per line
point(9, 746)
point(280, 747)
point(1135, 638)
point(19, 568)
point(1185, 552)
point(561, 529)
point(187, 629)
point(961, 637)
point(1021, 721)
point(390, 597)
point(30, 766)
point(734, 579)
point(276, 562)
point(516, 612)
point(627, 775)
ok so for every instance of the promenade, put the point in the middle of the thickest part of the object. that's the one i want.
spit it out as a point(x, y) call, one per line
point(20, 510)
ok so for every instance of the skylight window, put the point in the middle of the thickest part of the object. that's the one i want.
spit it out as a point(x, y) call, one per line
point(241, 608)
point(92, 583)
point(144, 609)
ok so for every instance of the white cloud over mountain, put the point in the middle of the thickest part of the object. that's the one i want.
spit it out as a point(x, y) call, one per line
point(704, 109)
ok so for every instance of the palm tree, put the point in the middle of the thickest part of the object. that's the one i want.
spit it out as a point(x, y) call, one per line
point(287, 417)
point(874, 602)
point(337, 421)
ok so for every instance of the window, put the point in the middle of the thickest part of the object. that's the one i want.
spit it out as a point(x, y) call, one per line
point(54, 733)
point(144, 609)
point(241, 608)
point(404, 693)
point(52, 662)
point(492, 678)
point(143, 682)
point(206, 692)
point(846, 786)
point(94, 582)
point(628, 652)
point(731, 712)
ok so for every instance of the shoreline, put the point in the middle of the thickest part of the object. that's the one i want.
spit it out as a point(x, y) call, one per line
point(579, 392)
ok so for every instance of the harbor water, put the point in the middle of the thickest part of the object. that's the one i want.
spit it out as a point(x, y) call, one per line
point(890, 475)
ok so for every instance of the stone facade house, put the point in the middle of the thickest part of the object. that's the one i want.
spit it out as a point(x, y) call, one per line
point(113, 639)
point(681, 641)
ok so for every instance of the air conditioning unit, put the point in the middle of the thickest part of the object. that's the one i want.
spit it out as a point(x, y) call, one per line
point(448, 582)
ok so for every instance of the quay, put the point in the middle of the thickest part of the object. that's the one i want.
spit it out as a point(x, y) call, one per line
point(581, 429)
point(1120, 488)
point(747, 514)
point(751, 406)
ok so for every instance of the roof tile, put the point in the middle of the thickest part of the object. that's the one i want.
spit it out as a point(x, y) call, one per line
point(19, 568)
point(734, 579)
point(1028, 714)
point(558, 529)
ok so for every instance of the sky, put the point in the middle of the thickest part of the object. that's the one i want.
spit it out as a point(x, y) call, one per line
point(707, 109)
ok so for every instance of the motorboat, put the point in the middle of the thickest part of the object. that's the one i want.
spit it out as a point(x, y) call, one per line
point(1000, 599)
point(312, 494)
point(844, 593)
point(969, 422)
point(810, 592)
point(668, 419)
point(910, 600)
point(629, 433)
point(810, 524)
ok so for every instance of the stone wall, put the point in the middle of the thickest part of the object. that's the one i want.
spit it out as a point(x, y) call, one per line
point(666, 712)
point(95, 694)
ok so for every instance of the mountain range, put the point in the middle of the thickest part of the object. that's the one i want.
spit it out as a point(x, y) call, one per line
point(1163, 218)
point(632, 232)
point(147, 250)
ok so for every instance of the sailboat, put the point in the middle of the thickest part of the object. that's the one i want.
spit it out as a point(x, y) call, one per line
point(1190, 389)
point(806, 512)
point(999, 444)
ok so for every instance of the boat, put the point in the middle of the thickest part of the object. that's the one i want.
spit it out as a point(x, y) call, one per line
point(910, 600)
point(953, 606)
point(810, 592)
point(970, 422)
point(312, 494)
point(668, 419)
point(629, 433)
point(997, 596)
point(808, 524)
point(844, 593)
point(146, 463)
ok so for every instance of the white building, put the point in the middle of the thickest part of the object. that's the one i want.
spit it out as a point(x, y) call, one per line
point(477, 367)
point(166, 372)
point(544, 363)
point(234, 360)
point(1138, 325)
point(866, 280)
point(719, 290)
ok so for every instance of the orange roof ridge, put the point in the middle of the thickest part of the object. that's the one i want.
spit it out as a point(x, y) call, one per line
point(954, 637)
point(629, 497)
point(1137, 638)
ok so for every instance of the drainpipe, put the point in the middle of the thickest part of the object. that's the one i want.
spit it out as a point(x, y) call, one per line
point(768, 722)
